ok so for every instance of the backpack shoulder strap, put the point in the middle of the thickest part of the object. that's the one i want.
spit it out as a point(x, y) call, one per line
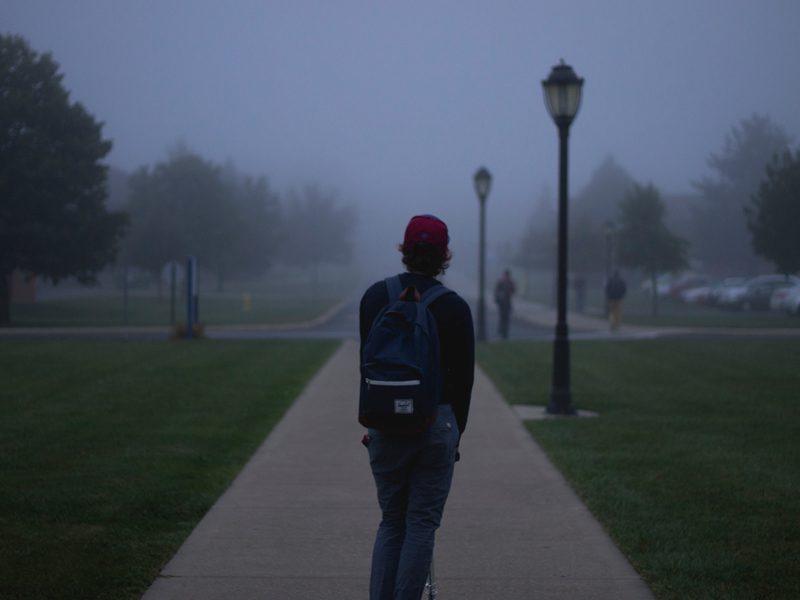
point(393, 287)
point(432, 293)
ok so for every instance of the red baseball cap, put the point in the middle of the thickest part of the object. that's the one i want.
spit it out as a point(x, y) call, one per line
point(429, 229)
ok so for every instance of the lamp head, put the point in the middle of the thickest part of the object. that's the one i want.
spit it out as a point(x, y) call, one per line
point(483, 181)
point(562, 93)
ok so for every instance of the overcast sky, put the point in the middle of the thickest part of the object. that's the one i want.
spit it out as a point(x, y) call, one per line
point(396, 104)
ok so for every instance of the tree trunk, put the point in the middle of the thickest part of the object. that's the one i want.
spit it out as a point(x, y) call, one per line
point(5, 299)
point(655, 294)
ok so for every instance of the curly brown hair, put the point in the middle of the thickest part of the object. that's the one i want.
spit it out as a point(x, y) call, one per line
point(426, 259)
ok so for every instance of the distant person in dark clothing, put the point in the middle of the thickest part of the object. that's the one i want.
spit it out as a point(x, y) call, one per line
point(413, 474)
point(503, 292)
point(615, 292)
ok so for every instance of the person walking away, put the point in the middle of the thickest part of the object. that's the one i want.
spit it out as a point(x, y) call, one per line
point(615, 292)
point(413, 472)
point(503, 292)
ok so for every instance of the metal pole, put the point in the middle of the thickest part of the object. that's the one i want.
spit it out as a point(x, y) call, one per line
point(608, 268)
point(560, 395)
point(125, 296)
point(173, 279)
point(189, 296)
point(482, 275)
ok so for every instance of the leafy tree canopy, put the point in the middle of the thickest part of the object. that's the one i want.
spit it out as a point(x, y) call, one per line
point(599, 199)
point(53, 218)
point(189, 206)
point(773, 217)
point(736, 174)
point(594, 205)
point(643, 240)
point(537, 247)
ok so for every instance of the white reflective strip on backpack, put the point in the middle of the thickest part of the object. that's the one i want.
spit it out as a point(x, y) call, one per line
point(407, 382)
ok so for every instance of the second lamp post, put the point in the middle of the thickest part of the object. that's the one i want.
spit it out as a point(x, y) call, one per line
point(483, 181)
point(562, 93)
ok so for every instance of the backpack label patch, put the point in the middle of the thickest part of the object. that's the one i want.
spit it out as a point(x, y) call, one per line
point(404, 406)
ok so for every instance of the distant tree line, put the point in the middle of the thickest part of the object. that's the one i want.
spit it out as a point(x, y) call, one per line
point(747, 211)
point(54, 218)
point(55, 222)
point(233, 223)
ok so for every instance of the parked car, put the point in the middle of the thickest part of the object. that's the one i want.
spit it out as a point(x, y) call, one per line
point(779, 301)
point(669, 284)
point(721, 291)
point(663, 283)
point(685, 282)
point(757, 292)
point(698, 295)
point(791, 300)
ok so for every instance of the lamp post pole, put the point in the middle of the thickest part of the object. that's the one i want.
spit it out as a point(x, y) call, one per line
point(609, 230)
point(562, 95)
point(482, 180)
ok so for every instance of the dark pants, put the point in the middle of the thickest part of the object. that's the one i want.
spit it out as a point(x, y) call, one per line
point(413, 477)
point(505, 319)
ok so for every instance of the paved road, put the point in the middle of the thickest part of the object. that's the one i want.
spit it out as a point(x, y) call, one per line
point(529, 322)
point(343, 324)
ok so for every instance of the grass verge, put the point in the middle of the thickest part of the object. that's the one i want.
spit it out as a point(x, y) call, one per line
point(111, 452)
point(694, 463)
point(215, 309)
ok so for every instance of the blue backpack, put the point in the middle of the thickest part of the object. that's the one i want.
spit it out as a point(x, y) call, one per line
point(401, 379)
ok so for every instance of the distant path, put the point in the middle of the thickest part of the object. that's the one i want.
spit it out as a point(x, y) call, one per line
point(343, 324)
point(530, 322)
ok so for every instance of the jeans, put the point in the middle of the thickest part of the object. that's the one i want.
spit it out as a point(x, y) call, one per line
point(412, 476)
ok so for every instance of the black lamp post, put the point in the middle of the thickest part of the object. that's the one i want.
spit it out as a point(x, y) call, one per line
point(562, 94)
point(483, 181)
point(609, 231)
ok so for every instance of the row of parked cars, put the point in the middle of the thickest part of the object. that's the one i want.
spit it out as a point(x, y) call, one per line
point(764, 292)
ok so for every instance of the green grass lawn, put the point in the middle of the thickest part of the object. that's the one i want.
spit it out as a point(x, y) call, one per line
point(111, 452)
point(282, 296)
point(215, 309)
point(693, 465)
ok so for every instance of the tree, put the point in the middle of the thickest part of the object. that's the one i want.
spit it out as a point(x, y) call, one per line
point(316, 229)
point(189, 206)
point(53, 219)
point(259, 222)
point(596, 204)
point(537, 247)
point(184, 207)
point(598, 200)
point(738, 171)
point(644, 242)
point(586, 246)
point(773, 216)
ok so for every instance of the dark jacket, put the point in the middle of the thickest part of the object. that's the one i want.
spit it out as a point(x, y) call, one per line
point(456, 338)
point(616, 288)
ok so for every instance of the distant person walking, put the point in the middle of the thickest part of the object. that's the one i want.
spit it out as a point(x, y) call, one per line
point(503, 292)
point(615, 292)
point(413, 472)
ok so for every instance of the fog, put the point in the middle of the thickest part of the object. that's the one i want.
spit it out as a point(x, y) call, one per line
point(396, 104)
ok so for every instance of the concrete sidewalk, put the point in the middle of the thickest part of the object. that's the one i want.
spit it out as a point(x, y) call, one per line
point(299, 521)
